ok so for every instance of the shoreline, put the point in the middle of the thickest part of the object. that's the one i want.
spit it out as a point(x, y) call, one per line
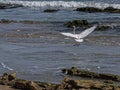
point(11, 82)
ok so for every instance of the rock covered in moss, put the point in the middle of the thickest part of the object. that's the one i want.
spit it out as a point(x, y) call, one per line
point(77, 23)
point(89, 9)
point(112, 10)
point(93, 9)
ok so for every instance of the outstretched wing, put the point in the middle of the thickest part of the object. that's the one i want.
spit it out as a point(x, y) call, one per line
point(87, 32)
point(69, 35)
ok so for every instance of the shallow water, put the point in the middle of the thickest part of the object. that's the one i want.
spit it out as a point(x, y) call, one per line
point(39, 51)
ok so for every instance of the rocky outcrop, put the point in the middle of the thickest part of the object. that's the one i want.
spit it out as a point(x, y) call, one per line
point(88, 74)
point(86, 24)
point(77, 23)
point(93, 9)
point(8, 6)
point(67, 83)
point(11, 80)
point(8, 79)
point(111, 10)
point(89, 9)
point(27, 85)
point(70, 84)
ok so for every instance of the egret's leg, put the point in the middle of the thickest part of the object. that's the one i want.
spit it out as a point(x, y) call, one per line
point(76, 44)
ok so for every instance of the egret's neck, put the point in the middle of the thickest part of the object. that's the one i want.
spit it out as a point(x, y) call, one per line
point(74, 29)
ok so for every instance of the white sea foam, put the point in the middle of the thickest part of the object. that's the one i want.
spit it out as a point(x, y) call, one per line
point(5, 66)
point(61, 4)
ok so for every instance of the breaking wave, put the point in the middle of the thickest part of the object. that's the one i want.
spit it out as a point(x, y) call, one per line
point(61, 4)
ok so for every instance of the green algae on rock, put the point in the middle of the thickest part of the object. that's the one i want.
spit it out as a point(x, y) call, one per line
point(93, 9)
point(85, 24)
point(89, 74)
point(77, 23)
point(102, 28)
point(89, 9)
point(112, 10)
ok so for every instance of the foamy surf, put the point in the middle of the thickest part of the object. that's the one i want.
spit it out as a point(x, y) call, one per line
point(6, 67)
point(62, 4)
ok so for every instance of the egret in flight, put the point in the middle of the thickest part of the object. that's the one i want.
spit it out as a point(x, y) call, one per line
point(79, 37)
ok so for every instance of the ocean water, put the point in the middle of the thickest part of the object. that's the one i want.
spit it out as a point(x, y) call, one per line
point(37, 51)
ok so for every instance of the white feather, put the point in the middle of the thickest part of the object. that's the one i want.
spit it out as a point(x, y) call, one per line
point(5, 66)
point(69, 35)
point(87, 32)
point(81, 35)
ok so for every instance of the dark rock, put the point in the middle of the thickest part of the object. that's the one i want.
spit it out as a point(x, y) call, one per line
point(8, 6)
point(77, 23)
point(88, 74)
point(89, 9)
point(50, 10)
point(102, 28)
point(112, 10)
point(93, 9)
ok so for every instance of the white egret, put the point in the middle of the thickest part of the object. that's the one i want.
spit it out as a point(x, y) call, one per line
point(79, 37)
